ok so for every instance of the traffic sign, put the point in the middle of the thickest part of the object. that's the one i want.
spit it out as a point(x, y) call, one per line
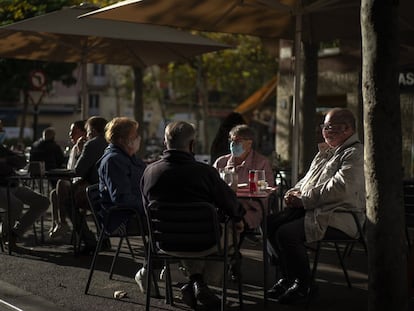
point(37, 79)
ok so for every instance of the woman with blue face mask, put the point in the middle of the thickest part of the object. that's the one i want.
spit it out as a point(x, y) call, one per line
point(242, 158)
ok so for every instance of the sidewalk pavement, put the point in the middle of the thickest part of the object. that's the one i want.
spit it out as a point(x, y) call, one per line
point(14, 298)
point(49, 277)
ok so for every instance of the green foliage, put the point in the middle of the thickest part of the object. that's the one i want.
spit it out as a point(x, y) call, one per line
point(15, 10)
point(234, 73)
point(14, 74)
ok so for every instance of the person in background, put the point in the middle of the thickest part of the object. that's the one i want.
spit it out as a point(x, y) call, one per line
point(334, 183)
point(77, 134)
point(242, 158)
point(47, 150)
point(220, 144)
point(87, 171)
point(19, 196)
point(60, 194)
point(120, 171)
point(198, 182)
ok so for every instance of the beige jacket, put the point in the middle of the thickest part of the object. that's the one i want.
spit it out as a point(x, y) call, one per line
point(334, 182)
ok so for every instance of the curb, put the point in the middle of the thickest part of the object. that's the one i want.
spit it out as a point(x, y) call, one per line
point(15, 299)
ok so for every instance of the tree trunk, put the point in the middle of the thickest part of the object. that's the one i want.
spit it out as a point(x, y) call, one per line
point(24, 115)
point(310, 94)
point(203, 102)
point(139, 106)
point(383, 157)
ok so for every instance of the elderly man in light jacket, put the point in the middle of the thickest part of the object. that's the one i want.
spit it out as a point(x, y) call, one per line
point(335, 182)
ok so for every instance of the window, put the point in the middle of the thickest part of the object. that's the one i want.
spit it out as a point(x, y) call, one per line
point(98, 70)
point(93, 104)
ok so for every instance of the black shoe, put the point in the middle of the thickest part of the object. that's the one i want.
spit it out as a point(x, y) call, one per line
point(234, 267)
point(234, 276)
point(187, 295)
point(297, 293)
point(88, 250)
point(278, 289)
point(9, 241)
point(206, 296)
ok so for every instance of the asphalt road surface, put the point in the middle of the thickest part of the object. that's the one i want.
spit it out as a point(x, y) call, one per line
point(48, 277)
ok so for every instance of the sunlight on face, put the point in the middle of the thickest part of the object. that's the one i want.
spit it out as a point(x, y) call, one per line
point(334, 132)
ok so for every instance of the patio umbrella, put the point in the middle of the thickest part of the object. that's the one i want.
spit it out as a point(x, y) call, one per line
point(61, 37)
point(301, 20)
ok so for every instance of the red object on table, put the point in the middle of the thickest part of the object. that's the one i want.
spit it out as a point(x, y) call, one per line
point(252, 181)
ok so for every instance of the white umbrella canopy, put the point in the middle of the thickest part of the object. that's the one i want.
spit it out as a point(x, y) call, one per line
point(61, 37)
point(301, 20)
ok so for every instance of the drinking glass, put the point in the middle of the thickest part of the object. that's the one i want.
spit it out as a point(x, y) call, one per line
point(228, 177)
point(261, 180)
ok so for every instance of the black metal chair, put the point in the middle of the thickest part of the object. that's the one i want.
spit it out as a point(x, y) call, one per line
point(347, 243)
point(180, 231)
point(408, 190)
point(94, 199)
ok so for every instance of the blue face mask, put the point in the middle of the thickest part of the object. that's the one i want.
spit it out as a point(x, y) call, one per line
point(236, 149)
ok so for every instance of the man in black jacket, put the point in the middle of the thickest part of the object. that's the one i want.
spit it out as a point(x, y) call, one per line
point(178, 177)
point(47, 150)
point(19, 195)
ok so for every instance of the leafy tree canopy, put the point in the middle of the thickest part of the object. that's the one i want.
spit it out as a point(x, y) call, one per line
point(14, 73)
point(233, 74)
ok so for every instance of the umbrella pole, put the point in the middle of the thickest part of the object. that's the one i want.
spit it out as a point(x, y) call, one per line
point(84, 95)
point(296, 100)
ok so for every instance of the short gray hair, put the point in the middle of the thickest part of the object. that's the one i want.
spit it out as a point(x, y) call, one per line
point(244, 131)
point(178, 135)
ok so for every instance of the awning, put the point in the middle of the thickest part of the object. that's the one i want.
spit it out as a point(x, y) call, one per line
point(258, 98)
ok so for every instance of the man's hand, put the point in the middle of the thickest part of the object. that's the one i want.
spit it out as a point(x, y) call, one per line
point(79, 144)
point(293, 199)
point(239, 226)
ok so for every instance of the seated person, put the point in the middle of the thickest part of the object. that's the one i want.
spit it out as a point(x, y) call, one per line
point(120, 170)
point(19, 196)
point(198, 182)
point(77, 134)
point(87, 174)
point(335, 182)
point(243, 158)
point(220, 144)
point(87, 171)
point(47, 150)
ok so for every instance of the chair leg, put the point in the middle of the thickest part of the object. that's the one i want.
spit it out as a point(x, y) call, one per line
point(118, 249)
point(130, 247)
point(224, 289)
point(240, 281)
point(315, 263)
point(36, 240)
point(95, 255)
point(338, 252)
point(407, 235)
point(1, 244)
point(168, 285)
point(148, 281)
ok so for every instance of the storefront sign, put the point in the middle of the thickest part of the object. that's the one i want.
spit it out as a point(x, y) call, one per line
point(406, 80)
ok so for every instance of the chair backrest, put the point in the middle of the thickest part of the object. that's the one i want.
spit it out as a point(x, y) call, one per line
point(183, 227)
point(94, 200)
point(361, 232)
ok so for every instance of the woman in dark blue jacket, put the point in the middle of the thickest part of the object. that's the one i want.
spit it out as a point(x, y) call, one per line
point(120, 170)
